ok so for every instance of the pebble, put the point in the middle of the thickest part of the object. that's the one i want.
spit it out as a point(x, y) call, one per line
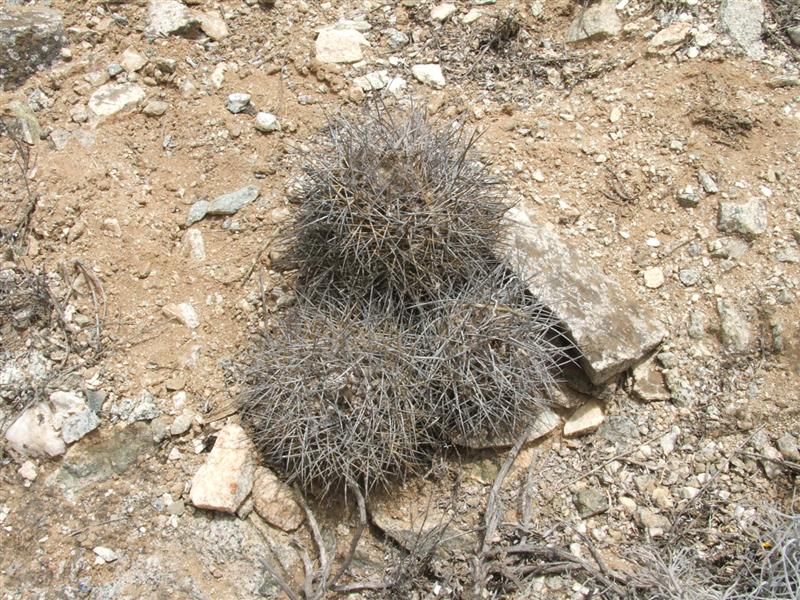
point(376, 80)
point(184, 313)
point(113, 98)
point(226, 478)
point(132, 61)
point(237, 102)
point(590, 502)
point(689, 276)
point(787, 444)
point(182, 423)
point(267, 122)
point(473, 15)
point(429, 74)
point(213, 25)
point(168, 17)
point(707, 182)
point(106, 555)
point(197, 212)
point(28, 470)
point(748, 219)
point(654, 277)
point(275, 502)
point(155, 108)
point(687, 197)
point(586, 419)
point(443, 11)
point(669, 39)
point(340, 46)
point(197, 247)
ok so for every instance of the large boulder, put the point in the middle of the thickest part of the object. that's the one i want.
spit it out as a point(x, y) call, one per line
point(30, 40)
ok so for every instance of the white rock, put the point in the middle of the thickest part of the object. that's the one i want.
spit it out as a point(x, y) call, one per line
point(237, 102)
point(267, 122)
point(218, 75)
point(34, 433)
point(167, 17)
point(183, 313)
point(397, 86)
point(213, 25)
point(429, 74)
point(226, 478)
point(197, 247)
point(377, 80)
point(275, 501)
point(443, 11)
point(585, 419)
point(113, 98)
point(107, 555)
point(28, 470)
point(340, 46)
point(472, 16)
point(132, 61)
point(654, 277)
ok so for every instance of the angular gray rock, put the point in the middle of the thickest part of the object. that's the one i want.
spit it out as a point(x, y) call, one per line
point(748, 219)
point(30, 40)
point(77, 426)
point(611, 329)
point(743, 19)
point(230, 204)
point(734, 331)
point(596, 22)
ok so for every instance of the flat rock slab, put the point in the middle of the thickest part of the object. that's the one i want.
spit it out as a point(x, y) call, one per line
point(545, 422)
point(30, 40)
point(230, 204)
point(743, 19)
point(226, 478)
point(612, 331)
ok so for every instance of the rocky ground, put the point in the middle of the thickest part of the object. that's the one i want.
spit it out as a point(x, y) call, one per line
point(149, 150)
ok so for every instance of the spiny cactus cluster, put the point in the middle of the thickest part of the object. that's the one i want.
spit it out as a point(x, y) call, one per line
point(408, 332)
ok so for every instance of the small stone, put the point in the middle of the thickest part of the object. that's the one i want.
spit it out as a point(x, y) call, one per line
point(596, 22)
point(174, 454)
point(226, 478)
point(155, 108)
point(429, 74)
point(114, 98)
point(230, 204)
point(615, 115)
point(668, 440)
point(689, 276)
point(77, 426)
point(28, 471)
point(197, 247)
point(396, 86)
point(111, 228)
point(377, 80)
point(107, 555)
point(267, 122)
point(114, 69)
point(687, 197)
point(662, 498)
point(169, 17)
point(651, 520)
point(696, 328)
point(744, 19)
point(654, 277)
point(586, 419)
point(176, 508)
point(771, 463)
point(213, 25)
point(132, 61)
point(472, 16)
point(143, 408)
point(669, 39)
point(340, 46)
point(794, 34)
point(704, 39)
point(182, 423)
point(96, 399)
point(159, 427)
point(707, 182)
point(787, 444)
point(197, 212)
point(184, 313)
point(590, 502)
point(275, 501)
point(734, 331)
point(748, 219)
point(237, 102)
point(443, 11)
point(648, 383)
